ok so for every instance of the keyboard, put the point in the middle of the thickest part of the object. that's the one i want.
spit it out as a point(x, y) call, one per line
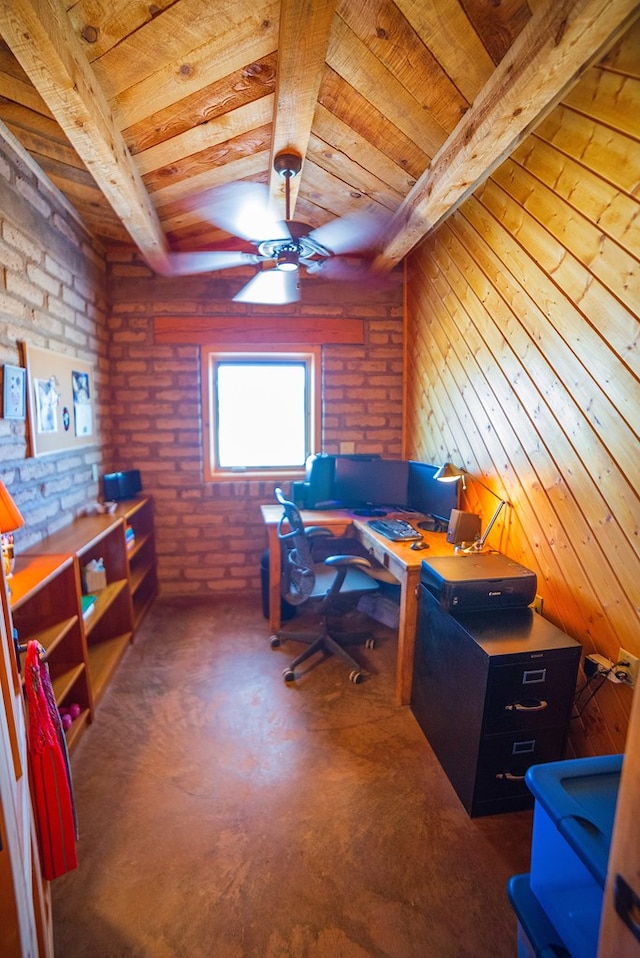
point(398, 530)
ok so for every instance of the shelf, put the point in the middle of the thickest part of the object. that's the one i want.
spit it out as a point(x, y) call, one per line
point(141, 607)
point(143, 573)
point(32, 573)
point(83, 652)
point(138, 545)
point(51, 635)
point(104, 658)
point(72, 734)
point(63, 681)
point(104, 599)
point(82, 536)
point(45, 609)
point(138, 575)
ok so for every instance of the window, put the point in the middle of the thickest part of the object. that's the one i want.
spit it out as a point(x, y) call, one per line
point(261, 412)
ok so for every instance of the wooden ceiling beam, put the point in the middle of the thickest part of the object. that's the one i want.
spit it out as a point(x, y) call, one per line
point(561, 40)
point(305, 26)
point(46, 46)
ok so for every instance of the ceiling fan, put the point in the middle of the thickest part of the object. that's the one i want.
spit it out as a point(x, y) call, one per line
point(244, 209)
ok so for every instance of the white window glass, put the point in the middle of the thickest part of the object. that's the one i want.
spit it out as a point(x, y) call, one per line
point(262, 419)
point(262, 411)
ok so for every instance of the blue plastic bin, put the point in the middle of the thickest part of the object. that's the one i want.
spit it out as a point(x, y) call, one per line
point(572, 826)
point(537, 938)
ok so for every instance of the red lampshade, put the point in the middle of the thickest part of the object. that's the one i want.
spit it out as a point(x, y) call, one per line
point(10, 516)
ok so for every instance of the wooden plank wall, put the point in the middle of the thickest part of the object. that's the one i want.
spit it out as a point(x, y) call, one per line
point(523, 366)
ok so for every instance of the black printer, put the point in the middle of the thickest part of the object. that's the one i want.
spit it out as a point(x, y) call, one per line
point(478, 581)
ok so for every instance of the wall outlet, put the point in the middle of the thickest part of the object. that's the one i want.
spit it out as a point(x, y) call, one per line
point(627, 667)
point(598, 663)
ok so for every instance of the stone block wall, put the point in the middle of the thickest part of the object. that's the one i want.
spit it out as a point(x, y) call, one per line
point(52, 295)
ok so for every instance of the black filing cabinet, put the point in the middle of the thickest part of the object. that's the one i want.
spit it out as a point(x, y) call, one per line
point(492, 691)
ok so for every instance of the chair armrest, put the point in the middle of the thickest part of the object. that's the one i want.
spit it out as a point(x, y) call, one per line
point(355, 561)
point(345, 546)
point(317, 532)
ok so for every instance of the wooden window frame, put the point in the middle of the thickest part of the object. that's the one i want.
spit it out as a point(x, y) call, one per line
point(209, 356)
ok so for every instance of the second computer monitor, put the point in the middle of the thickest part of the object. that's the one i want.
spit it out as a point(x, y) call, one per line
point(428, 495)
point(370, 482)
point(361, 482)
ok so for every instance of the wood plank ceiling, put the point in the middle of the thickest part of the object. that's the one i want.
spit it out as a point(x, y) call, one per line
point(137, 110)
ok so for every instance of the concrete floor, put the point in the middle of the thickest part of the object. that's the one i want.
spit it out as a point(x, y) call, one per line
point(224, 814)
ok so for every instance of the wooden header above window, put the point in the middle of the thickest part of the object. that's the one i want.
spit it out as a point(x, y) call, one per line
point(257, 330)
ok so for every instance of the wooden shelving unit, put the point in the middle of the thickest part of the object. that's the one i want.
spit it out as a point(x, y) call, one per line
point(83, 651)
point(141, 554)
point(108, 628)
point(45, 607)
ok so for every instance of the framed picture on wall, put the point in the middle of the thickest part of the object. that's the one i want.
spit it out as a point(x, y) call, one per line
point(14, 392)
point(60, 401)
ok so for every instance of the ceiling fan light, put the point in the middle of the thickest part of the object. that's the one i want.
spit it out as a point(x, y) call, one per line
point(288, 259)
point(270, 287)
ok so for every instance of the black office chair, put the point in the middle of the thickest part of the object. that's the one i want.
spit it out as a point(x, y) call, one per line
point(316, 565)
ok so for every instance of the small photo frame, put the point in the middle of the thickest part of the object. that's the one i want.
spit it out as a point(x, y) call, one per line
point(14, 392)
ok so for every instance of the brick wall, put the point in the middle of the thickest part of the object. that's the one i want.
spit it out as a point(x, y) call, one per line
point(52, 295)
point(54, 292)
point(210, 535)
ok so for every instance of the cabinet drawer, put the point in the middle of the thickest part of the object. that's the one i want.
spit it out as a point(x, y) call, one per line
point(504, 759)
point(530, 694)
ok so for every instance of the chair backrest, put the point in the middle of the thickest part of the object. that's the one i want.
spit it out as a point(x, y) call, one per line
point(298, 576)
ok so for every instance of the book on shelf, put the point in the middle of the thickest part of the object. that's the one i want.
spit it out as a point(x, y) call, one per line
point(88, 604)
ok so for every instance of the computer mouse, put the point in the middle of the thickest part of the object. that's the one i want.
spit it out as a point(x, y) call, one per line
point(417, 546)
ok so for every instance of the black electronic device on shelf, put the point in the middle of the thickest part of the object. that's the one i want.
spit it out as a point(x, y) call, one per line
point(121, 485)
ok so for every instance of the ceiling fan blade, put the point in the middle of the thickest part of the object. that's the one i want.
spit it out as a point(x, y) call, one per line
point(270, 287)
point(244, 209)
point(352, 233)
point(341, 268)
point(355, 270)
point(206, 261)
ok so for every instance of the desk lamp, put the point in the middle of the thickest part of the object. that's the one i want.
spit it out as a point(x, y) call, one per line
point(450, 473)
point(10, 519)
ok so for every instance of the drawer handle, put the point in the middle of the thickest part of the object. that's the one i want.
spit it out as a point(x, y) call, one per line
point(509, 777)
point(529, 705)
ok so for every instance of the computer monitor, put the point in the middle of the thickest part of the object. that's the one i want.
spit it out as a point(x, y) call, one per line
point(428, 495)
point(362, 482)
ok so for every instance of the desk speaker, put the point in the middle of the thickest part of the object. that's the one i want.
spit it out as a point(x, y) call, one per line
point(121, 485)
point(463, 526)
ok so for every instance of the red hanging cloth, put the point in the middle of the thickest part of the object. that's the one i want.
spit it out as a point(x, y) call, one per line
point(52, 794)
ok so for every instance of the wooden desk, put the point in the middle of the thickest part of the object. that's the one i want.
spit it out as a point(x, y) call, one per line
point(398, 557)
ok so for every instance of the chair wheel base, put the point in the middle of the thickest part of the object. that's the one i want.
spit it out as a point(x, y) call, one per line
point(288, 675)
point(274, 641)
point(356, 677)
point(370, 644)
